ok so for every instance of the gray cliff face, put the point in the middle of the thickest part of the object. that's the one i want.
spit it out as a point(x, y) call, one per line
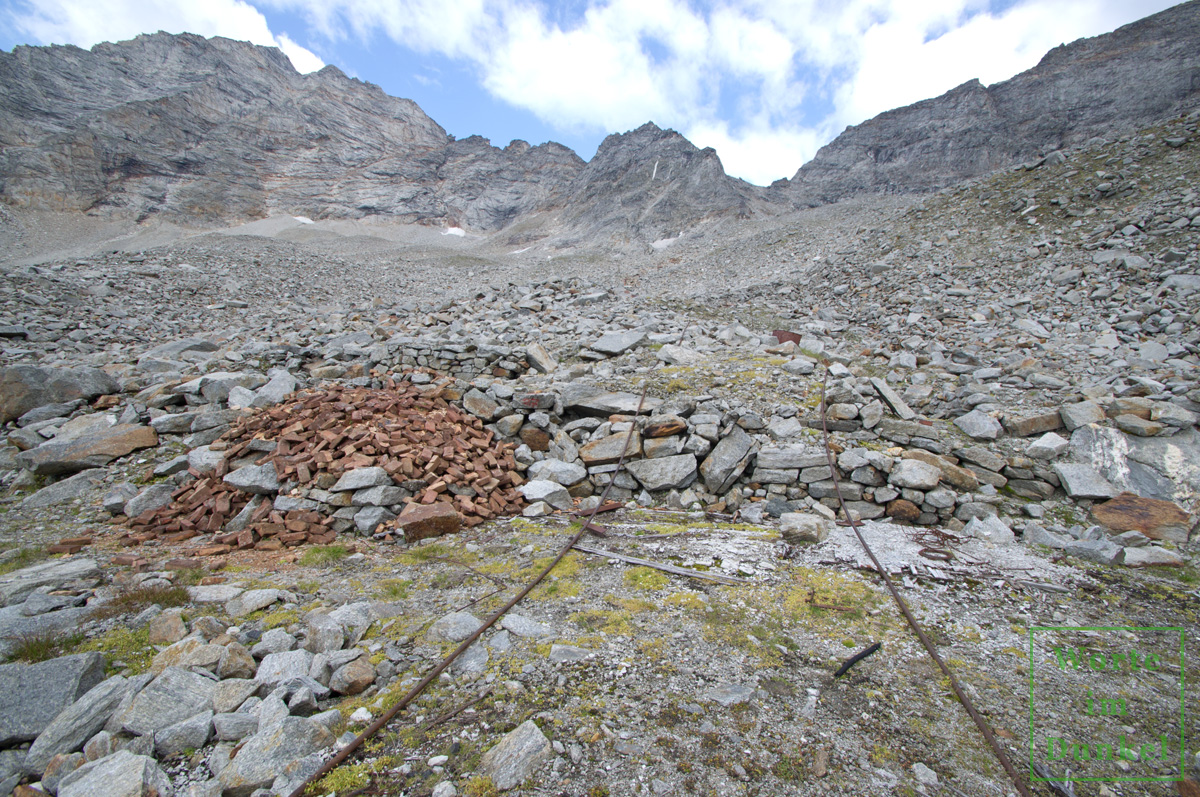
point(650, 182)
point(1093, 87)
point(214, 129)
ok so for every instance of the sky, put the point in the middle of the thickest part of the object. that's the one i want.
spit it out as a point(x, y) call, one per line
point(764, 82)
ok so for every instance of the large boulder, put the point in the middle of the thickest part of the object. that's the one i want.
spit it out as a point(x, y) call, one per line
point(91, 450)
point(76, 723)
point(517, 756)
point(265, 754)
point(26, 387)
point(727, 461)
point(172, 697)
point(32, 695)
point(121, 774)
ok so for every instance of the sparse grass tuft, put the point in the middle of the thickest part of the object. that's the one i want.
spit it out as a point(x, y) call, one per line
point(324, 555)
point(393, 589)
point(45, 645)
point(24, 557)
point(134, 600)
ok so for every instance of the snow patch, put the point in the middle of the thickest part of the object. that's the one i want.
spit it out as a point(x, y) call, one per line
point(459, 231)
point(663, 243)
point(519, 251)
point(303, 219)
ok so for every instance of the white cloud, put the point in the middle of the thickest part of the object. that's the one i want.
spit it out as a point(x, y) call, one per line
point(92, 21)
point(761, 155)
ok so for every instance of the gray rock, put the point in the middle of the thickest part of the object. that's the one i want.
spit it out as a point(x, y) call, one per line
point(114, 502)
point(153, 497)
point(664, 473)
point(991, 529)
point(66, 490)
point(1048, 446)
point(798, 527)
point(367, 519)
point(172, 697)
point(1081, 414)
point(204, 460)
point(1167, 468)
point(280, 386)
point(914, 475)
point(253, 600)
point(516, 757)
point(1035, 534)
point(362, 478)
point(480, 404)
point(76, 723)
point(234, 727)
point(552, 493)
point(790, 457)
point(26, 387)
point(453, 627)
point(214, 593)
point(276, 640)
point(472, 663)
point(265, 754)
point(1104, 552)
point(567, 654)
point(52, 574)
point(353, 677)
point(979, 425)
point(615, 343)
point(540, 359)
point(48, 412)
point(277, 668)
point(323, 634)
point(592, 401)
point(564, 473)
point(679, 355)
point(32, 695)
point(727, 461)
point(231, 693)
point(192, 733)
point(524, 627)
point(1149, 556)
point(893, 400)
point(387, 495)
point(92, 450)
point(121, 774)
point(256, 479)
point(1082, 481)
point(730, 694)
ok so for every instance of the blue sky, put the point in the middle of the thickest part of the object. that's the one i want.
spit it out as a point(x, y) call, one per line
point(764, 82)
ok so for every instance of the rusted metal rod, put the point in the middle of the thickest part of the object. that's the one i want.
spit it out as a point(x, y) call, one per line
point(1018, 781)
point(413, 693)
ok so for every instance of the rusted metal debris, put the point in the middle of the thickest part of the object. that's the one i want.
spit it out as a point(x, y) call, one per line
point(437, 451)
point(1021, 786)
point(855, 659)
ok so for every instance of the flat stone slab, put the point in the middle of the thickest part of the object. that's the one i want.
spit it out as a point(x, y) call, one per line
point(664, 473)
point(276, 668)
point(727, 461)
point(32, 695)
point(607, 450)
point(729, 694)
point(524, 627)
point(1149, 556)
point(214, 593)
point(89, 451)
point(56, 573)
point(76, 723)
point(121, 774)
point(605, 404)
point(66, 490)
point(567, 654)
point(172, 697)
point(615, 343)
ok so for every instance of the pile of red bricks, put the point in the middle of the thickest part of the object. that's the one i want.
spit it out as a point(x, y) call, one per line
point(426, 443)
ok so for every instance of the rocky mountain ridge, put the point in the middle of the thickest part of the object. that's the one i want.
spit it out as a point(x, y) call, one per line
point(205, 131)
point(1139, 73)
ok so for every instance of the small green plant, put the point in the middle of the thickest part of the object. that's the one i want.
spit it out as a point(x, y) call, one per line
point(480, 786)
point(324, 555)
point(45, 645)
point(393, 589)
point(190, 577)
point(646, 578)
point(130, 647)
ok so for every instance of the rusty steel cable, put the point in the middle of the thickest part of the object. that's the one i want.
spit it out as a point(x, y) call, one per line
point(415, 692)
point(1018, 781)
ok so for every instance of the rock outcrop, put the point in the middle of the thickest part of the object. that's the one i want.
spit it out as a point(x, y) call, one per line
point(1141, 72)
